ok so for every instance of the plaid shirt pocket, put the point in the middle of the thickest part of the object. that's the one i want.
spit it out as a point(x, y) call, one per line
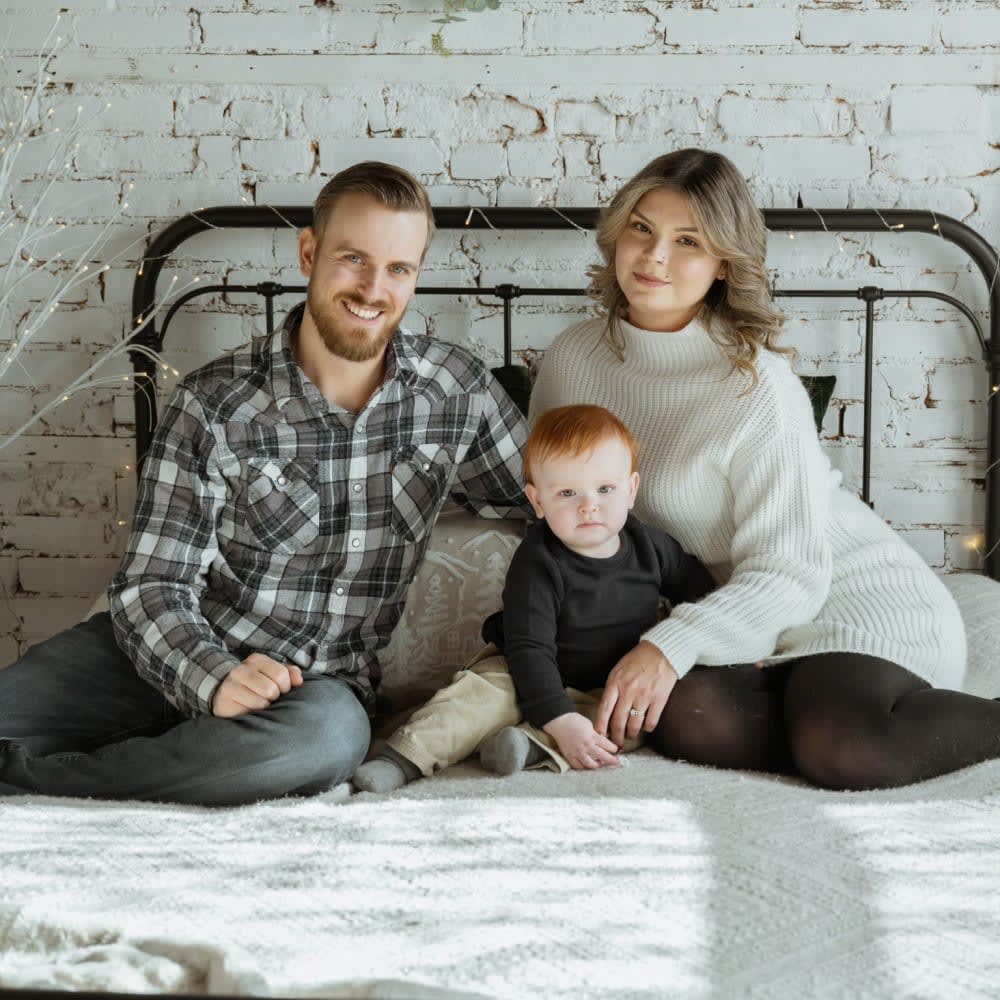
point(420, 475)
point(282, 504)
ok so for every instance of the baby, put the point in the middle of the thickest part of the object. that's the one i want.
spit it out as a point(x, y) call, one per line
point(581, 590)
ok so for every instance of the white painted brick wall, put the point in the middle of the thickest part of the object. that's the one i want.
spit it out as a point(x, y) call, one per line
point(421, 156)
point(527, 158)
point(584, 118)
point(303, 30)
point(745, 116)
point(971, 27)
point(584, 32)
point(163, 29)
point(816, 159)
point(408, 33)
point(478, 161)
point(839, 105)
point(278, 157)
point(938, 109)
point(730, 27)
point(869, 28)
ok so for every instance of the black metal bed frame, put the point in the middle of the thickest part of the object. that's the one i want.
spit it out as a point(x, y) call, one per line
point(781, 219)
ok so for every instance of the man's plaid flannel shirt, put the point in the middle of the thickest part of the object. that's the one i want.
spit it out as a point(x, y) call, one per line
point(269, 521)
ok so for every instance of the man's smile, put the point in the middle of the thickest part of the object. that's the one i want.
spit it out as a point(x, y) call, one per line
point(361, 312)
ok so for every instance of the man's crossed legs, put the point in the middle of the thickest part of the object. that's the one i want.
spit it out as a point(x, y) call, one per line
point(77, 719)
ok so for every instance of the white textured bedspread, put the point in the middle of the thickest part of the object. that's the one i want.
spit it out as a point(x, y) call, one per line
point(657, 880)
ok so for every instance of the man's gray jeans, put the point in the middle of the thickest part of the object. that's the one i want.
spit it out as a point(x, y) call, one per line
point(76, 719)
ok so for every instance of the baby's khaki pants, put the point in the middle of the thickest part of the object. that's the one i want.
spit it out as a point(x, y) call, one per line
point(478, 703)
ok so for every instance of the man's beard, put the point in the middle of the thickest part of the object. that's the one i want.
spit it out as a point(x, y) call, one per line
point(344, 339)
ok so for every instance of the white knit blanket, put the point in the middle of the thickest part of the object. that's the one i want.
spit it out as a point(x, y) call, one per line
point(659, 879)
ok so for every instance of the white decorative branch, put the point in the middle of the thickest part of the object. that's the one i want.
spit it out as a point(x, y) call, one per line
point(27, 230)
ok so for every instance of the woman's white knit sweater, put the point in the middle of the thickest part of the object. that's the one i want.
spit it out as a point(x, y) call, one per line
point(739, 479)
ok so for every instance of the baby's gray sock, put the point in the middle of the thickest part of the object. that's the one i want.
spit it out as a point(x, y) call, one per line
point(509, 751)
point(388, 771)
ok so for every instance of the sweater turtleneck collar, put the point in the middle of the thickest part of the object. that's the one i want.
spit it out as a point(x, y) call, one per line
point(686, 350)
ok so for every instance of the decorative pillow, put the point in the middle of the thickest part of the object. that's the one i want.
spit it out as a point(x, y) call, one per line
point(458, 585)
point(978, 598)
point(516, 380)
point(820, 389)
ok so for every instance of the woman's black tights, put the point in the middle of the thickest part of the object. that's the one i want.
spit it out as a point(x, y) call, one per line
point(840, 720)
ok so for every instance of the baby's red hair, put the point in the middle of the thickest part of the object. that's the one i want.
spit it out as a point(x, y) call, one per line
point(574, 430)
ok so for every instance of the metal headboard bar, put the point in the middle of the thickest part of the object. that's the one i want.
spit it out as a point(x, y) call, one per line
point(789, 220)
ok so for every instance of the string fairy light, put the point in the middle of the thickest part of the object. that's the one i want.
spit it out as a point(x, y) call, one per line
point(29, 225)
point(565, 217)
point(974, 542)
point(478, 211)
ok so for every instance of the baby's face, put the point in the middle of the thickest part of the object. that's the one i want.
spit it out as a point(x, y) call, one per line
point(586, 498)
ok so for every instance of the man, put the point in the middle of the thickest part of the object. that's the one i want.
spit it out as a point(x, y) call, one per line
point(284, 507)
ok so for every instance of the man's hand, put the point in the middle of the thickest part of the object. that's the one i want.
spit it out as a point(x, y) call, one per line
point(583, 748)
point(641, 680)
point(253, 685)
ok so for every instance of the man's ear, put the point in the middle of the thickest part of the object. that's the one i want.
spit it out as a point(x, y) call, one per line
point(532, 494)
point(307, 250)
point(634, 489)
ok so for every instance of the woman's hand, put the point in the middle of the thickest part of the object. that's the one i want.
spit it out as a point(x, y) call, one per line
point(580, 744)
point(641, 680)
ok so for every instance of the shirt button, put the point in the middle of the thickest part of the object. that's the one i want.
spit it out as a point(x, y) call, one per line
point(282, 481)
point(357, 487)
point(427, 467)
point(340, 591)
point(355, 542)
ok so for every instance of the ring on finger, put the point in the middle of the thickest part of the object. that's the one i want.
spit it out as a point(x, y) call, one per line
point(635, 713)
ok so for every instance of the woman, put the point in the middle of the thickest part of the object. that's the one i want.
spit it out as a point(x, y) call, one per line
point(855, 634)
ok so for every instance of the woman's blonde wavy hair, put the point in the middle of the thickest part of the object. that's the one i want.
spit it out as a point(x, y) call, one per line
point(737, 310)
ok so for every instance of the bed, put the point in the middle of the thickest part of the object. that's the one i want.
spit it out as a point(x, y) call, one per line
point(653, 880)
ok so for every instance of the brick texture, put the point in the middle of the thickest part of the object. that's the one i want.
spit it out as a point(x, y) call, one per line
point(538, 103)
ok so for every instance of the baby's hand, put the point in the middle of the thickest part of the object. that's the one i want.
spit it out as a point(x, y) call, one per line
point(582, 746)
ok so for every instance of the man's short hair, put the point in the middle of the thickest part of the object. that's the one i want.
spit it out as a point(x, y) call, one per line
point(572, 431)
point(389, 185)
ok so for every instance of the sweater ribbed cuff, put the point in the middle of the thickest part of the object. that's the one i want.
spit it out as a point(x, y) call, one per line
point(677, 643)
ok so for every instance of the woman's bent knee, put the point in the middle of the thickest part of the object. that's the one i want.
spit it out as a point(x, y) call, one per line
point(842, 753)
